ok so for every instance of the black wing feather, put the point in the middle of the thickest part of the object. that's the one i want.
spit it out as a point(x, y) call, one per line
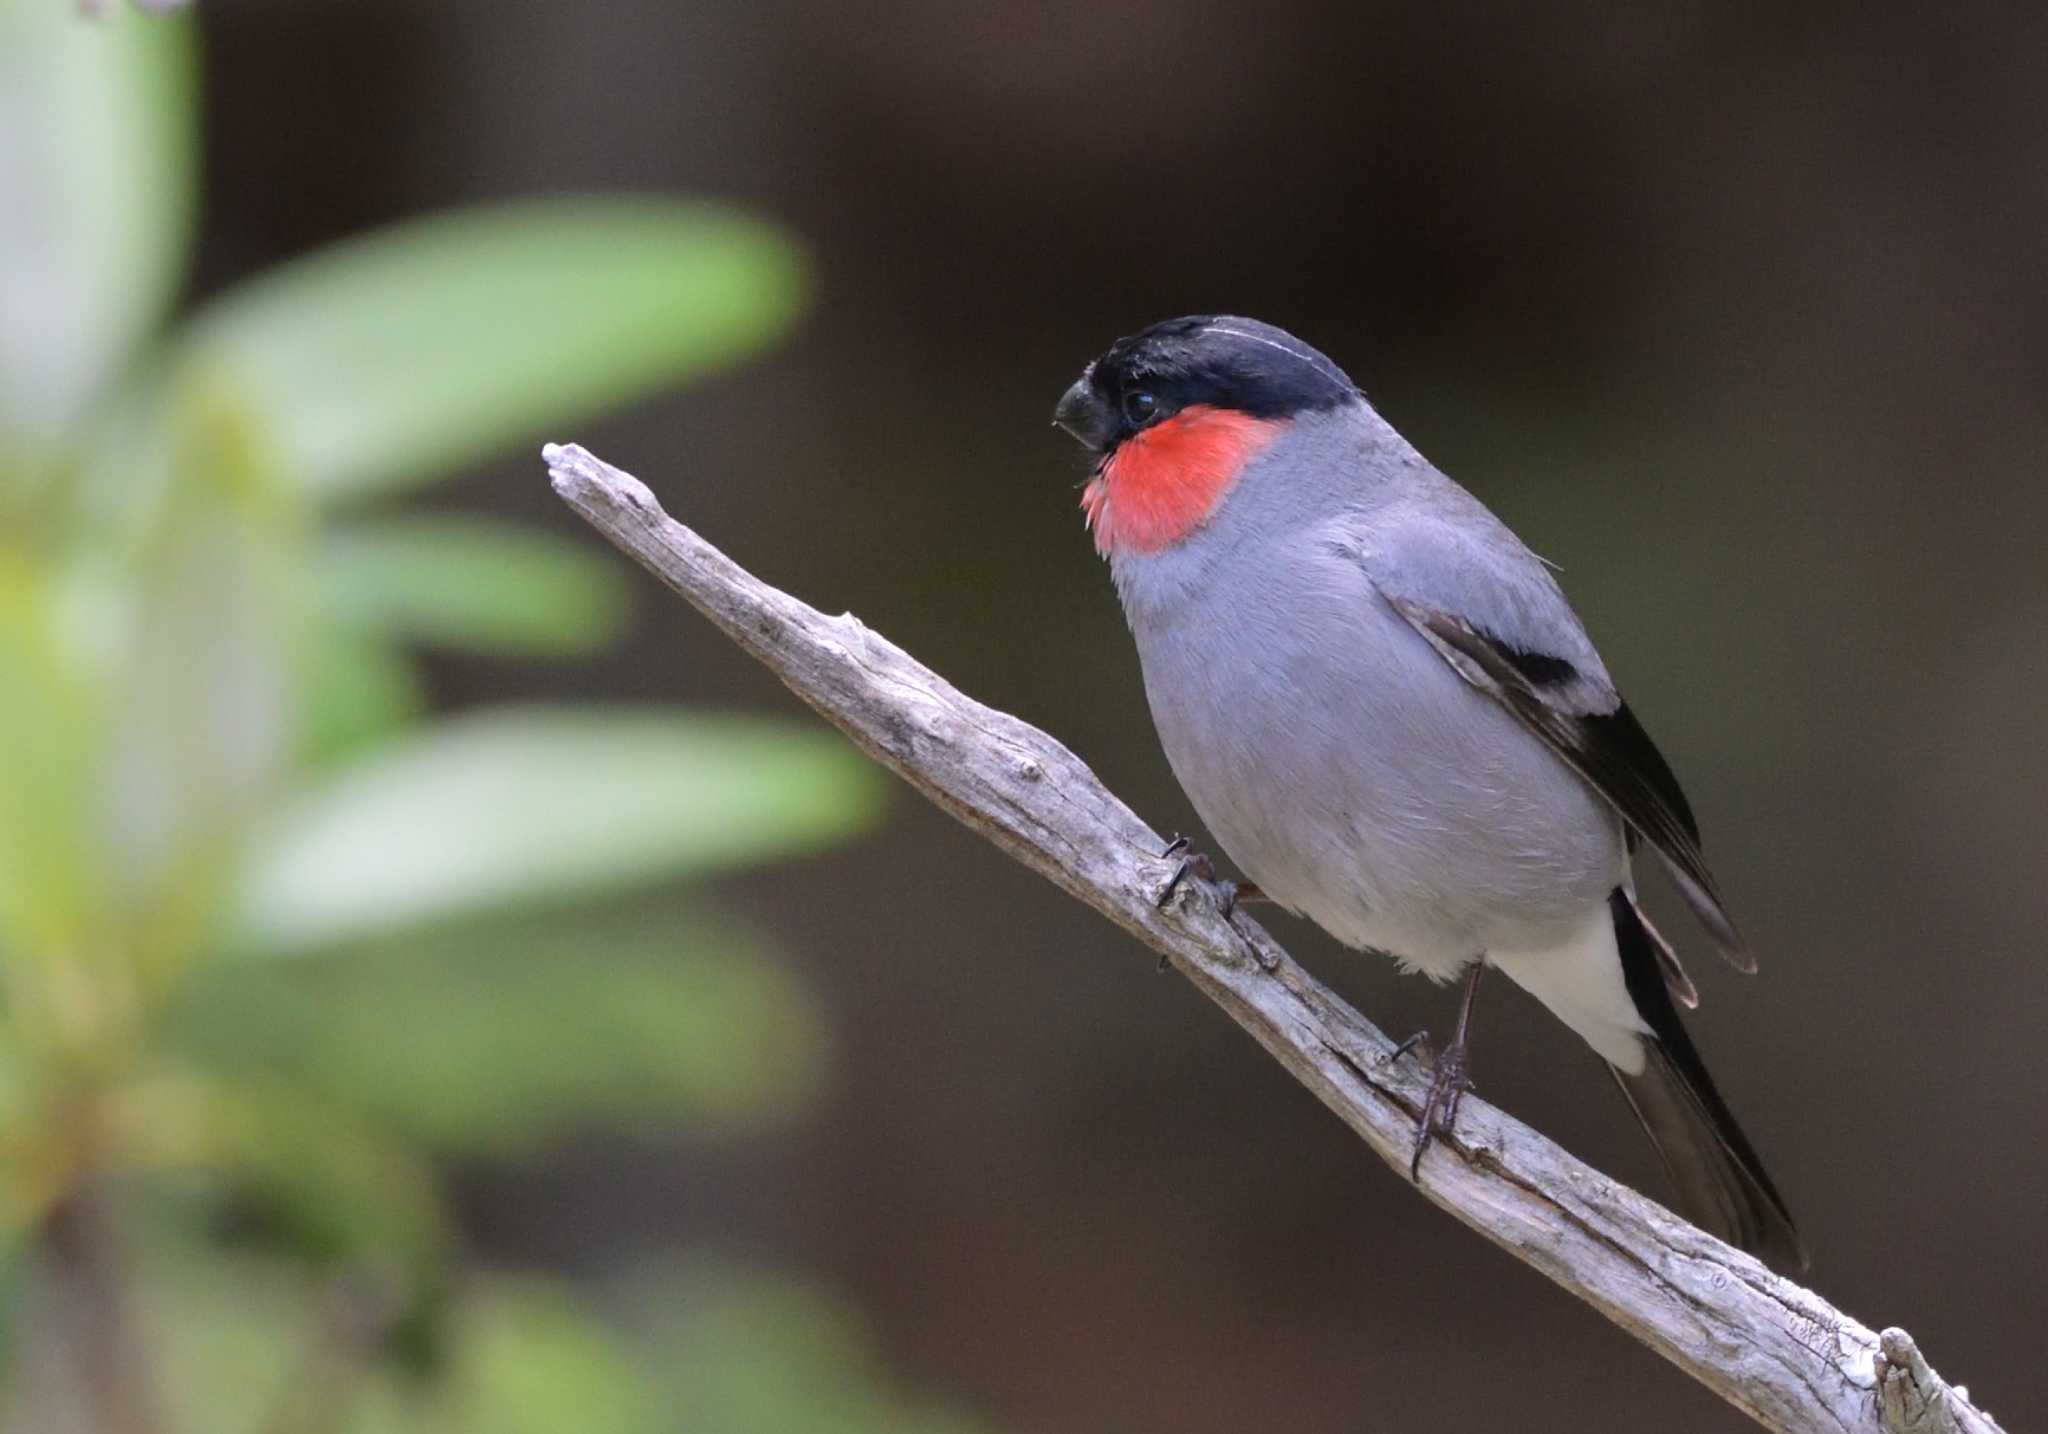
point(1722, 1185)
point(1611, 750)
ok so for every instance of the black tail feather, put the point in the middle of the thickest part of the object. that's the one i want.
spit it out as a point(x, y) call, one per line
point(1720, 1181)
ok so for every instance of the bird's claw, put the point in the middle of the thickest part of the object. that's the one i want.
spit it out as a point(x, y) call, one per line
point(1227, 894)
point(1403, 1048)
point(1202, 869)
point(1447, 1087)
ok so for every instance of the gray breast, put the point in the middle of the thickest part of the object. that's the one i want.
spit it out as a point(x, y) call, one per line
point(1343, 765)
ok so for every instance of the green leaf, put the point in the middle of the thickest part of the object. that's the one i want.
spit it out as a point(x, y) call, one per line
point(359, 691)
point(237, 1338)
point(525, 805)
point(387, 360)
point(49, 720)
point(206, 616)
point(473, 584)
point(240, 1342)
point(246, 1343)
point(336, 1189)
point(507, 1036)
point(751, 1351)
point(98, 158)
point(529, 1359)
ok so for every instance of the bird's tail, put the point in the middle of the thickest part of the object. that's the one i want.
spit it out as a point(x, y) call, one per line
point(1721, 1183)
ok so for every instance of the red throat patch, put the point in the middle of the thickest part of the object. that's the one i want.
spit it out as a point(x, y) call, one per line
point(1164, 480)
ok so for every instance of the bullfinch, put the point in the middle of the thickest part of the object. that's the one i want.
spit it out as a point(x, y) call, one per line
point(1387, 715)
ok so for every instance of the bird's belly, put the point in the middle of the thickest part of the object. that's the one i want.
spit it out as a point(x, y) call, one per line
point(1342, 765)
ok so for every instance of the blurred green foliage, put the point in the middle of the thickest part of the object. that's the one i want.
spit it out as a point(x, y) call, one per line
point(696, 1346)
point(215, 754)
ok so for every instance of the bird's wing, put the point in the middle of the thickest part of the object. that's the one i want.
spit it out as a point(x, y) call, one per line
point(1488, 607)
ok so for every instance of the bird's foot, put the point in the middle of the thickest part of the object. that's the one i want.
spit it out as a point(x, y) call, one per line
point(1447, 1083)
point(1447, 1086)
point(1229, 895)
point(1226, 894)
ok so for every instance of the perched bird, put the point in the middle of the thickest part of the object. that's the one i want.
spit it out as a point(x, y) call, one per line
point(1386, 713)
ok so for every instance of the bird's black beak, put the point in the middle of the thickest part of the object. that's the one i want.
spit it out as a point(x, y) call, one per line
point(1082, 413)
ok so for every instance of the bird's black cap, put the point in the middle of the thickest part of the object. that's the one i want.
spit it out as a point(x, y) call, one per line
point(1214, 359)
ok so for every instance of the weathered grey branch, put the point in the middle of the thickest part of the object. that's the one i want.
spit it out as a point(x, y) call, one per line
point(1911, 1396)
point(1770, 1347)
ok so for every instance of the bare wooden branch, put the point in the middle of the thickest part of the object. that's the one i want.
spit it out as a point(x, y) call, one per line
point(1912, 1397)
point(1773, 1349)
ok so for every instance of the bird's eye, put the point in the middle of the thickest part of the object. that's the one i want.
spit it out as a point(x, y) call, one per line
point(1140, 407)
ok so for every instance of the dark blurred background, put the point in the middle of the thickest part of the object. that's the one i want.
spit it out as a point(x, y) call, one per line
point(1737, 313)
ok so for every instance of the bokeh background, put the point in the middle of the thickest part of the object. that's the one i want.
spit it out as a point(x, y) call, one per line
point(451, 989)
